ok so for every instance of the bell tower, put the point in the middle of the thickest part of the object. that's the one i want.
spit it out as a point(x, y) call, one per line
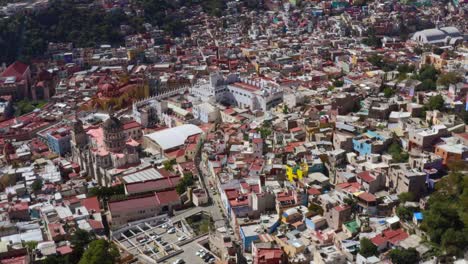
point(78, 134)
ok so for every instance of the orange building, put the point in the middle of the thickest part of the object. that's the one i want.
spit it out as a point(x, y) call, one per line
point(451, 151)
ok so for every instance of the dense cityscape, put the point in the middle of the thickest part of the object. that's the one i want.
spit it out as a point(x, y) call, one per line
point(247, 131)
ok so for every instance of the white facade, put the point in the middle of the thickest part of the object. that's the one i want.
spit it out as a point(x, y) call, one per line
point(205, 112)
point(438, 36)
point(255, 94)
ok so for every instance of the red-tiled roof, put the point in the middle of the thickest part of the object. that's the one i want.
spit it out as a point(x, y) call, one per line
point(55, 229)
point(240, 201)
point(91, 203)
point(20, 206)
point(15, 260)
point(368, 197)
point(167, 197)
point(389, 235)
point(153, 185)
point(131, 205)
point(340, 208)
point(16, 69)
point(296, 129)
point(379, 240)
point(130, 125)
point(395, 236)
point(165, 173)
point(95, 225)
point(231, 193)
point(191, 146)
point(366, 176)
point(284, 198)
point(313, 191)
point(269, 254)
point(257, 140)
point(246, 86)
point(64, 250)
point(349, 186)
point(229, 111)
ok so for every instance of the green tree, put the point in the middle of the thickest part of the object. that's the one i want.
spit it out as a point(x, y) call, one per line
point(24, 107)
point(398, 155)
point(372, 39)
point(427, 85)
point(37, 185)
point(428, 72)
point(404, 213)
point(381, 62)
point(285, 109)
point(405, 68)
point(184, 183)
point(315, 209)
point(449, 78)
point(25, 36)
point(435, 103)
point(404, 256)
point(446, 220)
point(169, 164)
point(388, 92)
point(338, 83)
point(455, 241)
point(406, 197)
point(375, 60)
point(106, 192)
point(264, 132)
point(57, 259)
point(31, 245)
point(79, 240)
point(100, 252)
point(367, 248)
point(352, 203)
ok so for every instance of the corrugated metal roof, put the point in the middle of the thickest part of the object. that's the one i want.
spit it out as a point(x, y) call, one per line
point(144, 175)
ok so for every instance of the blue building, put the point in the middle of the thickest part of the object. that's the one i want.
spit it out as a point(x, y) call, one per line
point(248, 235)
point(417, 218)
point(316, 222)
point(316, 165)
point(59, 141)
point(370, 142)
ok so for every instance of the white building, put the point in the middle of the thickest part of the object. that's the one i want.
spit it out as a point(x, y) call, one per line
point(170, 138)
point(205, 112)
point(438, 36)
point(253, 93)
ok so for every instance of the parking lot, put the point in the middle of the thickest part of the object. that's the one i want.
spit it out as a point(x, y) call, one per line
point(188, 255)
point(159, 241)
point(153, 240)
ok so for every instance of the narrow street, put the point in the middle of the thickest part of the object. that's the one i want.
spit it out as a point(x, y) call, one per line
point(215, 205)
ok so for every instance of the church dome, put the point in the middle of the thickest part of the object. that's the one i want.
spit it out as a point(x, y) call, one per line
point(112, 123)
point(78, 126)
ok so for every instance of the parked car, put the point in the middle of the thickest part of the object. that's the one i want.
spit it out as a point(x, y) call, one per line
point(178, 261)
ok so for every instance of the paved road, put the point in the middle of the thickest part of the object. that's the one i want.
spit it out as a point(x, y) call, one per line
point(215, 204)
